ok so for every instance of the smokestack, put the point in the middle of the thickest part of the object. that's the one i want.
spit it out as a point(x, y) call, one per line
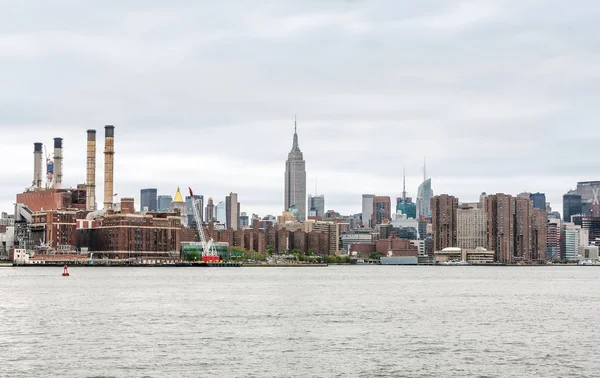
point(37, 165)
point(109, 152)
point(90, 188)
point(57, 163)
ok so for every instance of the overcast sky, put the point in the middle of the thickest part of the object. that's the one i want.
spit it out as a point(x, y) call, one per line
point(501, 96)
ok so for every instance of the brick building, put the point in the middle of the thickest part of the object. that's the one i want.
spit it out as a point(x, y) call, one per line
point(133, 235)
point(500, 213)
point(382, 210)
point(363, 249)
point(398, 247)
point(539, 234)
point(55, 227)
point(44, 200)
point(516, 231)
point(443, 214)
point(523, 210)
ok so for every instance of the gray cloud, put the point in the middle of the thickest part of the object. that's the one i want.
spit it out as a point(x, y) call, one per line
point(498, 94)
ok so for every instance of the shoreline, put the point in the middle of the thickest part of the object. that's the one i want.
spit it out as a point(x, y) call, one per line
point(268, 265)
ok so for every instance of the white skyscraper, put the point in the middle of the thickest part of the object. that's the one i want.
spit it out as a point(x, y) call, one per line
point(367, 209)
point(295, 179)
point(220, 212)
point(424, 194)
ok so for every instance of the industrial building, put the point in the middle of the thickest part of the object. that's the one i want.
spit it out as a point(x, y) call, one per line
point(52, 220)
point(127, 235)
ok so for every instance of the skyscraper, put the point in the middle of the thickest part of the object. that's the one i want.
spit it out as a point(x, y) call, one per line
point(382, 210)
point(405, 204)
point(471, 227)
point(232, 211)
point(210, 210)
point(539, 200)
point(571, 240)
point(316, 205)
point(148, 199)
point(539, 234)
point(499, 210)
point(572, 205)
point(424, 195)
point(407, 207)
point(443, 216)
point(523, 210)
point(553, 238)
point(516, 231)
point(221, 212)
point(295, 179)
point(589, 191)
point(367, 209)
point(164, 203)
point(244, 220)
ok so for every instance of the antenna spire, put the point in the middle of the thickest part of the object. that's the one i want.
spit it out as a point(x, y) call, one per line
point(404, 185)
point(295, 146)
point(424, 168)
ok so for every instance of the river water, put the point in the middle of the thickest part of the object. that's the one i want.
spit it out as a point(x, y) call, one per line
point(338, 321)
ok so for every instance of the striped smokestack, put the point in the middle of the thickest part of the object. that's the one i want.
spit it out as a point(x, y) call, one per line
point(109, 152)
point(37, 165)
point(90, 188)
point(57, 163)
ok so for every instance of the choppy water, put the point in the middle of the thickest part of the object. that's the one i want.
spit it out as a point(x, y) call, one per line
point(372, 321)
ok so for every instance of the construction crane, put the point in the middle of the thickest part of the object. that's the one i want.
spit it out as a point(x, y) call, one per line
point(209, 252)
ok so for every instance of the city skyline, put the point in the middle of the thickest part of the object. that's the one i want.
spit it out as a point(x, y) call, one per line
point(445, 96)
point(355, 206)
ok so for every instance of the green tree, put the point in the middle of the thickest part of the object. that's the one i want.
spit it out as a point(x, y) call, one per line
point(375, 255)
point(193, 256)
point(253, 255)
point(270, 250)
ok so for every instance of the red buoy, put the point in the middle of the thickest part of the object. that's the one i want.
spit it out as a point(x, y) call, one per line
point(66, 271)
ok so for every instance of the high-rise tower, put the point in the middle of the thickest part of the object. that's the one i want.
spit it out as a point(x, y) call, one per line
point(424, 195)
point(295, 179)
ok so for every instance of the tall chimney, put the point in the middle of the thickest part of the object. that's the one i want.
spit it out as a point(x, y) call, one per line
point(90, 188)
point(109, 152)
point(37, 165)
point(57, 163)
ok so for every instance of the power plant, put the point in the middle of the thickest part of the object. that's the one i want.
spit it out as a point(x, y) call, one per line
point(52, 195)
point(56, 223)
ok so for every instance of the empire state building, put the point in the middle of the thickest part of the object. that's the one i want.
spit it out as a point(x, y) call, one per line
point(295, 179)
